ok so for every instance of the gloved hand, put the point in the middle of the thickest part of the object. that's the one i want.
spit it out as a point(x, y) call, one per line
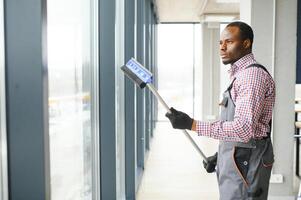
point(211, 164)
point(179, 120)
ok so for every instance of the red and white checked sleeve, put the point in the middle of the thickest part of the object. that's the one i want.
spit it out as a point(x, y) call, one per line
point(253, 93)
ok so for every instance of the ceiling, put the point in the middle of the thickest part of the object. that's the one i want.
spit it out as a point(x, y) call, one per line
point(180, 11)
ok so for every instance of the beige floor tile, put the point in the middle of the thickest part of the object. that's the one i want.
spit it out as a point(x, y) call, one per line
point(174, 170)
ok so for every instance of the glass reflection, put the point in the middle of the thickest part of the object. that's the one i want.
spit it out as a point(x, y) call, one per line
point(71, 69)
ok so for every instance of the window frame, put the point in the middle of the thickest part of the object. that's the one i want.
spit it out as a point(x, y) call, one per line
point(3, 132)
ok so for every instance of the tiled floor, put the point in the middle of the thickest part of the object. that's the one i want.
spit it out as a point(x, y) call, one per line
point(174, 169)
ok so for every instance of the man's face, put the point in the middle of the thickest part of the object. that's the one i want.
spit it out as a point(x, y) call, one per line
point(232, 47)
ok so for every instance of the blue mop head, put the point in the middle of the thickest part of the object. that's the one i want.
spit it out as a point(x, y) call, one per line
point(137, 73)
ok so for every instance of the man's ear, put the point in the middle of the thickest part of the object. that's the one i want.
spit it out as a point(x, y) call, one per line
point(247, 44)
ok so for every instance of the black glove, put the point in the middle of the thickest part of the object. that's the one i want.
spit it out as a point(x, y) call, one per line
point(179, 119)
point(210, 165)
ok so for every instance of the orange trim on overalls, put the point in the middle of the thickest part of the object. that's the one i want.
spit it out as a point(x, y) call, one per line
point(239, 173)
point(267, 165)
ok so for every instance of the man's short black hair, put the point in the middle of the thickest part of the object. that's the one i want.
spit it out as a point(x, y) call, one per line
point(246, 31)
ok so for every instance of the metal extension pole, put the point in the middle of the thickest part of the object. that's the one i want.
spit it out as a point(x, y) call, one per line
point(157, 95)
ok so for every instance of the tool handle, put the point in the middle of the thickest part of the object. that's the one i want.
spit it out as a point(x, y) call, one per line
point(195, 145)
point(157, 95)
point(155, 92)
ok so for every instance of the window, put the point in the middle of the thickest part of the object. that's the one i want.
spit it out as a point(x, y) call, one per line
point(73, 109)
point(119, 101)
point(176, 67)
point(3, 149)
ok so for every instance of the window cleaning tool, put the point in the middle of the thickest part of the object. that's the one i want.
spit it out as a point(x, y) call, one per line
point(142, 77)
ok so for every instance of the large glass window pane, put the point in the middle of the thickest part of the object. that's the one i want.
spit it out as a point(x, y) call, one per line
point(3, 146)
point(176, 67)
point(119, 101)
point(72, 61)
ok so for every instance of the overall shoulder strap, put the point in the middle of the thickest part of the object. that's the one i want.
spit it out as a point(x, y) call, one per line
point(252, 65)
point(231, 85)
point(262, 67)
point(269, 133)
point(259, 66)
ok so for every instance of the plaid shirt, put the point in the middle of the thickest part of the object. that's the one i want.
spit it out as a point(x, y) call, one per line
point(253, 94)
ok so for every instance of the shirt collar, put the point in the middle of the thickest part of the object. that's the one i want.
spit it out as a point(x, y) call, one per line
point(240, 64)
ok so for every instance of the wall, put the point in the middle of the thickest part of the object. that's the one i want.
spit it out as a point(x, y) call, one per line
point(274, 23)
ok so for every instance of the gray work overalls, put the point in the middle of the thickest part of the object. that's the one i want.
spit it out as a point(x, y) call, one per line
point(243, 169)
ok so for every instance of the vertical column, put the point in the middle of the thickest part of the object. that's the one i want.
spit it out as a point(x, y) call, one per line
point(152, 54)
point(298, 80)
point(27, 99)
point(147, 65)
point(275, 23)
point(210, 71)
point(107, 98)
point(140, 93)
point(285, 18)
point(155, 64)
point(130, 95)
point(259, 14)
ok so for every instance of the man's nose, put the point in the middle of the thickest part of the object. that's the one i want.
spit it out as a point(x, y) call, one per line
point(222, 46)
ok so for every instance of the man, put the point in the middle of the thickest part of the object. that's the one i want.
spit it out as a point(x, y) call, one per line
point(245, 154)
